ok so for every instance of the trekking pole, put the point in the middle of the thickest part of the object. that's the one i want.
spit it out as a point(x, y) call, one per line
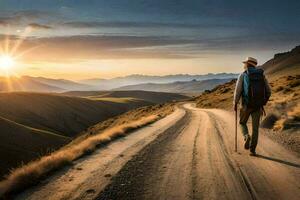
point(235, 131)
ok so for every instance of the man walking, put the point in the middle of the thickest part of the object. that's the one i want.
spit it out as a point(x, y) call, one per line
point(255, 91)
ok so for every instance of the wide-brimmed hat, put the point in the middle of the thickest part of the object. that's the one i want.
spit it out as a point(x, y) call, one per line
point(251, 61)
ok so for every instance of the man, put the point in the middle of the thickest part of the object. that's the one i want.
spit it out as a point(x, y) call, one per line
point(255, 91)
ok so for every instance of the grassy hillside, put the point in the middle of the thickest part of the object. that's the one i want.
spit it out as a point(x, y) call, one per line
point(283, 64)
point(59, 114)
point(99, 134)
point(219, 97)
point(177, 87)
point(23, 143)
point(33, 123)
point(284, 89)
point(153, 97)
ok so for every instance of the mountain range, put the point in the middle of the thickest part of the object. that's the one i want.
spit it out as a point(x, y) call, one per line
point(107, 84)
point(42, 84)
point(190, 87)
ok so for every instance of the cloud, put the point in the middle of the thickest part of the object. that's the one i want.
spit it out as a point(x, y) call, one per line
point(3, 22)
point(39, 26)
point(84, 47)
point(131, 24)
point(31, 14)
point(93, 47)
point(125, 24)
point(21, 17)
point(8, 36)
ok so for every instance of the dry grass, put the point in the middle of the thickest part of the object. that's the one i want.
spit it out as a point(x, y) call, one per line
point(31, 173)
point(219, 97)
point(290, 120)
point(114, 99)
point(295, 113)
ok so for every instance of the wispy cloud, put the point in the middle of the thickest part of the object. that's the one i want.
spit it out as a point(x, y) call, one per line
point(21, 17)
point(31, 14)
point(85, 47)
point(39, 26)
point(132, 24)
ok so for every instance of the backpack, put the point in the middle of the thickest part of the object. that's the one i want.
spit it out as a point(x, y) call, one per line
point(255, 88)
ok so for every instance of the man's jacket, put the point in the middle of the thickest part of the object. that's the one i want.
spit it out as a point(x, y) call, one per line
point(242, 87)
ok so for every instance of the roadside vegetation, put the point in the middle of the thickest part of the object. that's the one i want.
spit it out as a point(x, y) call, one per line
point(34, 124)
point(96, 136)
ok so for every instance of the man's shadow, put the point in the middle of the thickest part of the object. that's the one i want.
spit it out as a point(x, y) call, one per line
point(278, 160)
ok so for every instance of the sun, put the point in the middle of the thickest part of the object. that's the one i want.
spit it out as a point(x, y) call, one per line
point(6, 62)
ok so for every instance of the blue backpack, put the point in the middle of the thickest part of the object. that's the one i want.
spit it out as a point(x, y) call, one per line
point(254, 88)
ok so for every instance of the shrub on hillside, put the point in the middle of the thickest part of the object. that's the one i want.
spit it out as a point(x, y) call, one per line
point(269, 121)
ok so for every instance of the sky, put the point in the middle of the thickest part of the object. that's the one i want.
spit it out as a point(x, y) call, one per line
point(82, 39)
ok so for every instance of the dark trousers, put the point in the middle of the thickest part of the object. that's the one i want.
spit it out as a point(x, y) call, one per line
point(244, 116)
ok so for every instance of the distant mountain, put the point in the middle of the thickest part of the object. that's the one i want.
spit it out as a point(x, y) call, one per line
point(193, 86)
point(42, 84)
point(26, 84)
point(39, 84)
point(107, 84)
point(287, 63)
point(66, 85)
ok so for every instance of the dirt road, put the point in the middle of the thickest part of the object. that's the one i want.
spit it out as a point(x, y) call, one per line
point(187, 155)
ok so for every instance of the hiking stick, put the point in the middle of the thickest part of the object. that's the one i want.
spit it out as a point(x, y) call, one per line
point(235, 131)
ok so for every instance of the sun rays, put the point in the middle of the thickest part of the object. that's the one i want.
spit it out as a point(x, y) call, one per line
point(10, 57)
point(6, 62)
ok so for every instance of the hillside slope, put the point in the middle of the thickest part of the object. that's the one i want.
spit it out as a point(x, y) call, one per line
point(193, 86)
point(60, 114)
point(153, 97)
point(32, 124)
point(66, 85)
point(23, 143)
point(283, 64)
point(11, 84)
point(39, 84)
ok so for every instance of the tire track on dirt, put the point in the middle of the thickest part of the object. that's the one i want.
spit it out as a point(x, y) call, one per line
point(194, 165)
point(234, 167)
point(218, 176)
point(264, 178)
point(137, 175)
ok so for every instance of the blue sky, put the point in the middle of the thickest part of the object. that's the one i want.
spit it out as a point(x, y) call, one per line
point(118, 37)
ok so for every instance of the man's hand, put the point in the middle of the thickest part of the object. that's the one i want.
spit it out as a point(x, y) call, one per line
point(235, 107)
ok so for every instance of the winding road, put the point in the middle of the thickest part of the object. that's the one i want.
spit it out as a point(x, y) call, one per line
point(187, 155)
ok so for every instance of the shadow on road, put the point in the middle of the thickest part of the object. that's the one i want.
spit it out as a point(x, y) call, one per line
point(279, 161)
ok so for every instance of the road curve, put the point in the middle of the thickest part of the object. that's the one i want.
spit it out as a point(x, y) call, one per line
point(187, 155)
point(197, 161)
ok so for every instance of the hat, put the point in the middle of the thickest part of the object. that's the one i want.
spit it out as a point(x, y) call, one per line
point(251, 60)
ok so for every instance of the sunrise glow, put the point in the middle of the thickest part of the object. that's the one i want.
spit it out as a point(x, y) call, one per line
point(6, 62)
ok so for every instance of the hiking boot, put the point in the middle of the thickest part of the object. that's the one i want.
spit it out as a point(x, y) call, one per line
point(247, 142)
point(252, 153)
